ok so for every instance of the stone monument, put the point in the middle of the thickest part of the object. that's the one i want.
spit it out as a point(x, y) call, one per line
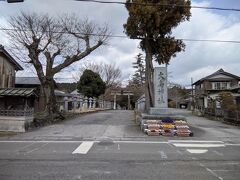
point(160, 87)
point(160, 109)
point(160, 92)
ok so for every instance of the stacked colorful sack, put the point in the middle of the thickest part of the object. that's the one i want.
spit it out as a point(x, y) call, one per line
point(167, 127)
point(153, 128)
point(182, 128)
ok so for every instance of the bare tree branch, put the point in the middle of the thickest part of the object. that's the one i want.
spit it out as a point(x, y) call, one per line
point(74, 58)
point(54, 42)
point(110, 74)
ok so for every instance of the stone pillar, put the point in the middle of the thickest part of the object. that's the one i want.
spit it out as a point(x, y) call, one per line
point(90, 103)
point(94, 103)
point(160, 93)
point(160, 87)
point(78, 102)
point(65, 103)
point(100, 103)
point(128, 102)
point(104, 104)
point(81, 103)
point(74, 103)
point(85, 104)
point(115, 103)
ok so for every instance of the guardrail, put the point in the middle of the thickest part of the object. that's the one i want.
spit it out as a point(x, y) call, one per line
point(28, 112)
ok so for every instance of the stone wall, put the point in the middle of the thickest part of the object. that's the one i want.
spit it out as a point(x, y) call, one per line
point(15, 124)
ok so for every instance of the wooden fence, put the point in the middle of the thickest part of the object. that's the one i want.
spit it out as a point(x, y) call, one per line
point(230, 116)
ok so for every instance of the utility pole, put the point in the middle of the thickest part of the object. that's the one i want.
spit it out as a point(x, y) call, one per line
point(192, 101)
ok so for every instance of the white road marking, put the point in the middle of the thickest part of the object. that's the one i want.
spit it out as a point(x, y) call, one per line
point(163, 155)
point(118, 146)
point(24, 147)
point(197, 151)
point(211, 171)
point(232, 144)
point(60, 141)
point(223, 170)
point(130, 142)
point(143, 163)
point(218, 153)
point(142, 142)
point(179, 152)
point(83, 148)
point(231, 163)
point(201, 164)
point(198, 145)
point(214, 174)
point(35, 149)
point(193, 141)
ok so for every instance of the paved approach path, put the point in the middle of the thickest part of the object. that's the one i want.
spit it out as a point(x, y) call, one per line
point(120, 125)
point(108, 145)
point(104, 124)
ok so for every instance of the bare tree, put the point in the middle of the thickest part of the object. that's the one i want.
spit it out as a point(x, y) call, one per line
point(52, 44)
point(110, 74)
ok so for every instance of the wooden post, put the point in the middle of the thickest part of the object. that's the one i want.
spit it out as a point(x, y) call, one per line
point(128, 102)
point(115, 103)
point(65, 103)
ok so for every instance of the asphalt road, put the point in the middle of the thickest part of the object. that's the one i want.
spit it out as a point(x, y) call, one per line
point(108, 145)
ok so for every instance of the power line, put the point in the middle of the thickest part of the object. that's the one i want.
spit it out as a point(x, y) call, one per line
point(122, 36)
point(161, 5)
point(210, 40)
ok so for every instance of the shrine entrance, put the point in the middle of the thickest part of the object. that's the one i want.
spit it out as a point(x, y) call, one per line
point(121, 93)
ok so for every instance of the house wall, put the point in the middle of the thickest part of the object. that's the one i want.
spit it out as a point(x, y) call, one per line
point(234, 83)
point(206, 89)
point(199, 90)
point(207, 85)
point(7, 73)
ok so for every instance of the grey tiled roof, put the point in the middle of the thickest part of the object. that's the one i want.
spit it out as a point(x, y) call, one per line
point(220, 71)
point(10, 58)
point(24, 92)
point(27, 80)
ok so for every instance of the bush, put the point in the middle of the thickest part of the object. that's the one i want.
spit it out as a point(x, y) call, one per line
point(227, 101)
point(172, 104)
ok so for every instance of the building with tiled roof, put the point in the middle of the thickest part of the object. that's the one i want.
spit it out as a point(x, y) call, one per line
point(209, 87)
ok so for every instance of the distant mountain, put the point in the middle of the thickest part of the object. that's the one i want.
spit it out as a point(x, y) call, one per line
point(67, 87)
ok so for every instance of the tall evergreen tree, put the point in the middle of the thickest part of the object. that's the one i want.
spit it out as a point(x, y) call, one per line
point(91, 84)
point(139, 75)
point(152, 22)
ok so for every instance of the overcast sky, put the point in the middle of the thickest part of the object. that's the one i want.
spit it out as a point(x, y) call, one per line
point(198, 60)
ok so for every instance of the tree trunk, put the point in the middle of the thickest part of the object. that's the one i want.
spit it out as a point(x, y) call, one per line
point(149, 99)
point(50, 98)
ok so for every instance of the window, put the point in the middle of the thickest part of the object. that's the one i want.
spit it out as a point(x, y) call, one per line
point(220, 85)
point(217, 85)
point(224, 85)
